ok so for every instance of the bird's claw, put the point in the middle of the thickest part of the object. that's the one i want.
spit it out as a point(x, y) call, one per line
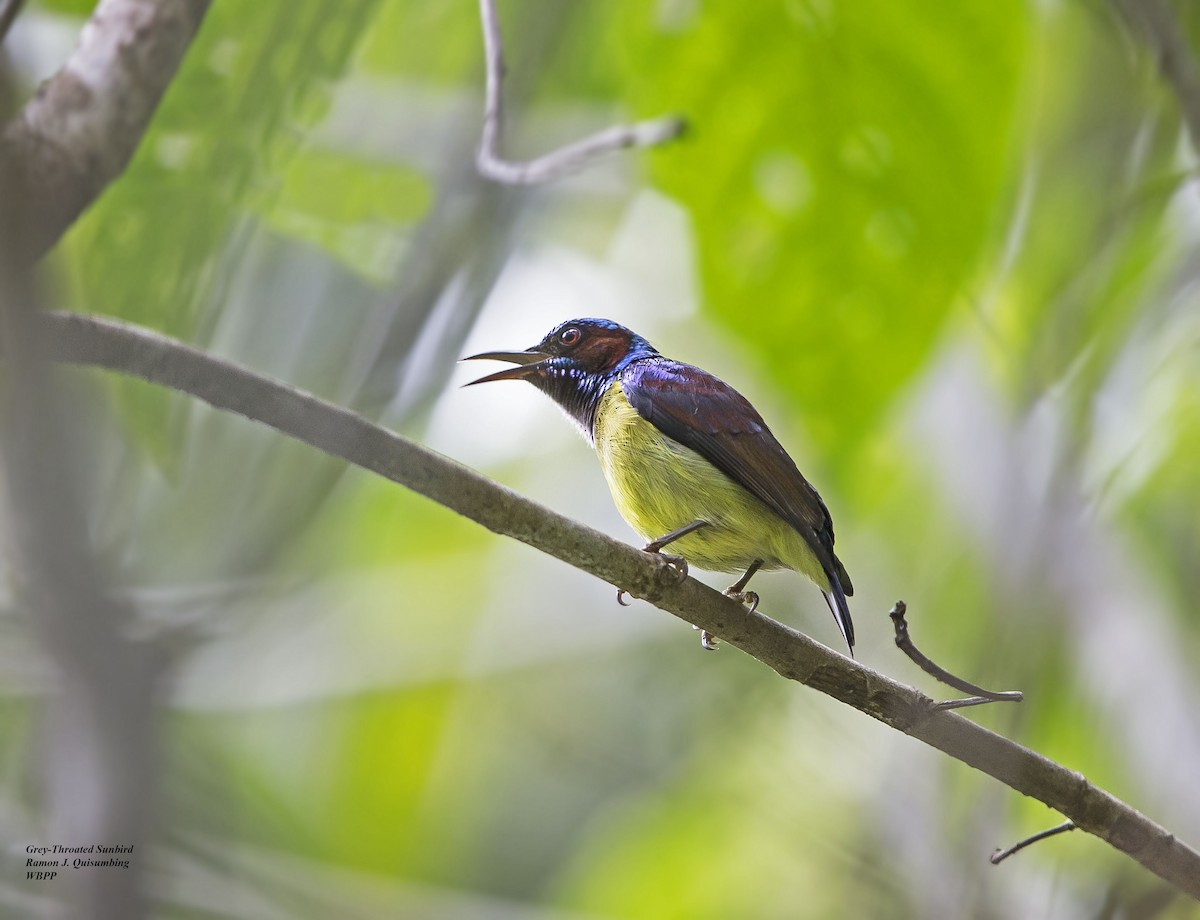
point(749, 599)
point(707, 640)
point(677, 564)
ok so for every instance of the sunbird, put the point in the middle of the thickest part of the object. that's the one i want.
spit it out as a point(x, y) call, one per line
point(690, 463)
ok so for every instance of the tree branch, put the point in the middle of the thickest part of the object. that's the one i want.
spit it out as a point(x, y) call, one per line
point(1160, 30)
point(492, 165)
point(339, 432)
point(82, 127)
point(100, 738)
point(8, 15)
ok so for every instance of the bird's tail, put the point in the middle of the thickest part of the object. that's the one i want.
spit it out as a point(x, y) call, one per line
point(835, 597)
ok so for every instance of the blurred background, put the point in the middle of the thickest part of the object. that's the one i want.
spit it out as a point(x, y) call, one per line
point(949, 251)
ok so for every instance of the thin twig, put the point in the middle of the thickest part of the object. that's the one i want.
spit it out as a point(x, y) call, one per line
point(492, 164)
point(339, 432)
point(969, 701)
point(1000, 855)
point(905, 643)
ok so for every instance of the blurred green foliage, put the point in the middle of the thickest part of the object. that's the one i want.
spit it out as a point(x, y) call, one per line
point(157, 250)
point(847, 170)
point(950, 246)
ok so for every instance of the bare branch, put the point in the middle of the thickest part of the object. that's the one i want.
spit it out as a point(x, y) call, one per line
point(82, 127)
point(572, 157)
point(339, 432)
point(1160, 30)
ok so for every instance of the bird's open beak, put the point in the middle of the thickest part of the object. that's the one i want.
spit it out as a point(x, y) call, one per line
point(527, 364)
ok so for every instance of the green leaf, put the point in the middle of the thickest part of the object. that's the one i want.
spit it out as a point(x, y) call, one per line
point(844, 173)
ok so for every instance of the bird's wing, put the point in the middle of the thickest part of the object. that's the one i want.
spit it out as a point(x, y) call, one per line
point(706, 414)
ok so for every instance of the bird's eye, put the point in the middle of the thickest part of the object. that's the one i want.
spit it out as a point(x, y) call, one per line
point(570, 336)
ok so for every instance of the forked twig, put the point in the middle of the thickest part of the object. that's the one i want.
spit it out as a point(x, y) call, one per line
point(492, 165)
point(979, 695)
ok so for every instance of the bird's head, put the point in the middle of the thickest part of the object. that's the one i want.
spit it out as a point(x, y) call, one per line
point(571, 350)
point(574, 364)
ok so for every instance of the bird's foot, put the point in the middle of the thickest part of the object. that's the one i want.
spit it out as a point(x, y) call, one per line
point(707, 640)
point(677, 564)
point(748, 599)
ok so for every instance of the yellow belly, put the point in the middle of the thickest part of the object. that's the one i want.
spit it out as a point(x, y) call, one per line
point(659, 485)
